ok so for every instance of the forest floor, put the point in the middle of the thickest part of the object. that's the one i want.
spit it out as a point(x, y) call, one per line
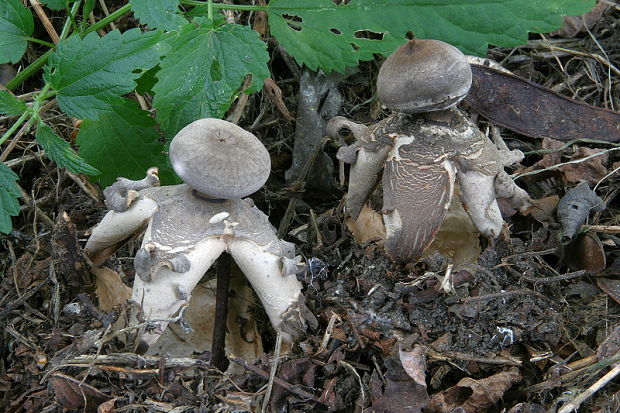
point(519, 324)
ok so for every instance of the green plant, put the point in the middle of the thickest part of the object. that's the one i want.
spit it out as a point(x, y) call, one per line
point(194, 65)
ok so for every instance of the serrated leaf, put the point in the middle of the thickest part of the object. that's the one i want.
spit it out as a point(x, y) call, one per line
point(10, 105)
point(320, 33)
point(202, 74)
point(56, 4)
point(160, 14)
point(9, 193)
point(16, 24)
point(59, 151)
point(123, 142)
point(92, 73)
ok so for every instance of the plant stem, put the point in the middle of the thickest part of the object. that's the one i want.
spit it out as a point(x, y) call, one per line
point(72, 17)
point(67, 25)
point(210, 10)
point(43, 42)
point(33, 68)
point(16, 125)
point(110, 18)
point(220, 6)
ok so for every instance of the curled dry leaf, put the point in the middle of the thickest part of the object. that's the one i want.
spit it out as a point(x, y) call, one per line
point(484, 393)
point(368, 226)
point(533, 110)
point(111, 291)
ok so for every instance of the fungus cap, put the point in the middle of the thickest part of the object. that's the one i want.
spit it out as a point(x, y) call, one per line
point(422, 76)
point(219, 159)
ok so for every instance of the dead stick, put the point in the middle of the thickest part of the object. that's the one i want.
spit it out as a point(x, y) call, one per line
point(287, 386)
point(574, 404)
point(218, 344)
point(49, 28)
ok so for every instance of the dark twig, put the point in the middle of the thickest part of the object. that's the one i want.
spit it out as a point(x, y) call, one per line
point(287, 386)
point(218, 344)
point(505, 294)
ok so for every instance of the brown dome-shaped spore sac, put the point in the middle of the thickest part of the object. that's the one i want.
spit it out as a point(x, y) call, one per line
point(422, 76)
point(220, 159)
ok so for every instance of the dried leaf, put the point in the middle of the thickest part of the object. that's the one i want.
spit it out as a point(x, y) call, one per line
point(400, 394)
point(533, 110)
point(73, 394)
point(586, 253)
point(573, 25)
point(610, 287)
point(107, 407)
point(484, 393)
point(544, 209)
point(414, 363)
point(591, 170)
point(368, 226)
point(111, 291)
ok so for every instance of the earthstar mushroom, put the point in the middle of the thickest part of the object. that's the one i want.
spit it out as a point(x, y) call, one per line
point(422, 148)
point(190, 225)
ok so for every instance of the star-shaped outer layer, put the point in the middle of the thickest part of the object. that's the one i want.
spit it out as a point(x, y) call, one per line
point(184, 236)
point(420, 156)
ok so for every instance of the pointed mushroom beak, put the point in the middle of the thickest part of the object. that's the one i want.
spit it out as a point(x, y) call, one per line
point(363, 178)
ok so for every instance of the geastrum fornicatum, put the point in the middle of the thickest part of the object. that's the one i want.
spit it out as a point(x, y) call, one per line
point(190, 225)
point(422, 148)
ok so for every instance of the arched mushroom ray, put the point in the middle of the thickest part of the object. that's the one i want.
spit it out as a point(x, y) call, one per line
point(162, 296)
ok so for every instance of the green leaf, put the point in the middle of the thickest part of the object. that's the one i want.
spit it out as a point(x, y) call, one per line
point(332, 36)
point(124, 143)
point(9, 193)
point(92, 73)
point(16, 24)
point(10, 105)
point(202, 74)
point(160, 14)
point(59, 151)
point(56, 4)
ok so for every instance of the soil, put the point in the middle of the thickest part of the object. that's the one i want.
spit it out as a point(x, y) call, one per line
point(518, 329)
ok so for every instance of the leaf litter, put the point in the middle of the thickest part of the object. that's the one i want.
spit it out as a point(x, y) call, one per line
point(515, 330)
